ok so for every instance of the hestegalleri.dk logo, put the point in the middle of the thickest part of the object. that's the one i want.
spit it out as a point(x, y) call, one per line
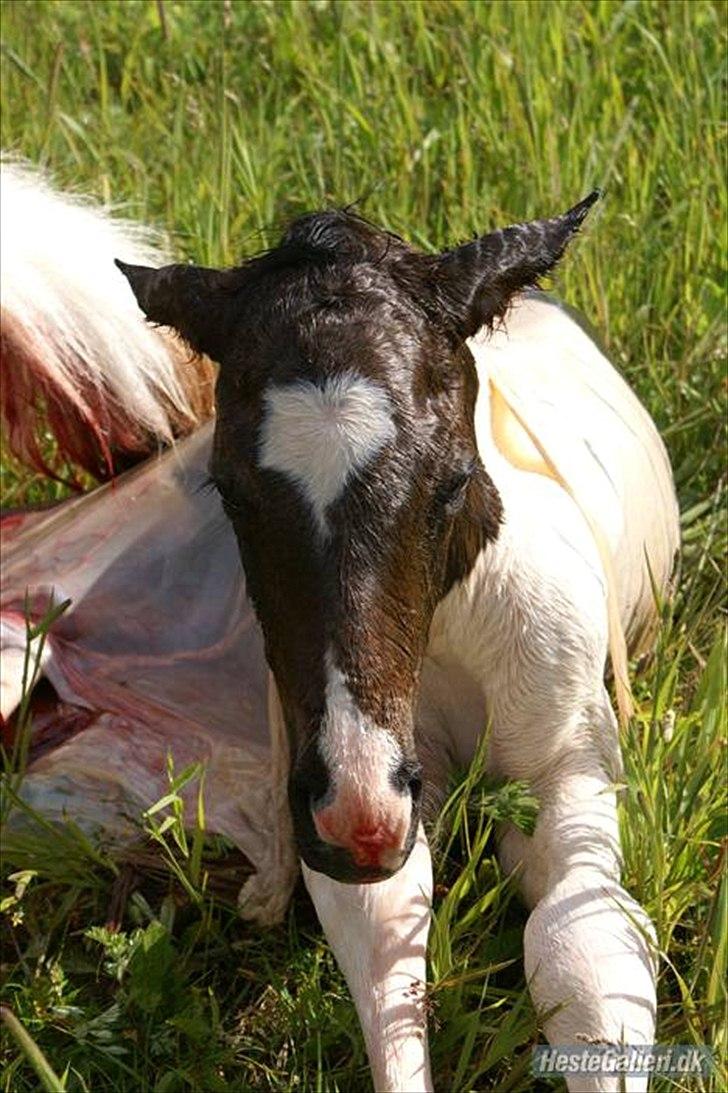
point(632, 1060)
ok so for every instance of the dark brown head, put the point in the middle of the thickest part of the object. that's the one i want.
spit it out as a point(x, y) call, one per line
point(346, 458)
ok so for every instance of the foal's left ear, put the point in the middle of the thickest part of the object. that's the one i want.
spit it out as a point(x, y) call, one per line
point(475, 282)
point(188, 298)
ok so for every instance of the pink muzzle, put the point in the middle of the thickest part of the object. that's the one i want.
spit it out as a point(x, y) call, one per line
point(372, 841)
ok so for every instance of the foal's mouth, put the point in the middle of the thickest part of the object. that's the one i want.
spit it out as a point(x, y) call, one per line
point(338, 864)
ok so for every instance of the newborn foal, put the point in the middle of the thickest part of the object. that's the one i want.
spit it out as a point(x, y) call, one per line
point(401, 600)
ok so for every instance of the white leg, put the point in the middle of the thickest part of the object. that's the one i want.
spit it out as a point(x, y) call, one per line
point(588, 952)
point(589, 948)
point(378, 933)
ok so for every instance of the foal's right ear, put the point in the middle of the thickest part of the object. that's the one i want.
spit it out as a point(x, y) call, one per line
point(190, 299)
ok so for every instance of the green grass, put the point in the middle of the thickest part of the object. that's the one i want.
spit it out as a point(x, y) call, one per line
point(218, 122)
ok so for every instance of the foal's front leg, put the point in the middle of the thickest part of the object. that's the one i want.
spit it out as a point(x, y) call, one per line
point(589, 948)
point(378, 933)
point(589, 954)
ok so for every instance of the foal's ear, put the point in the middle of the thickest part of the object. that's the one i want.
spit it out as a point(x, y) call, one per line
point(475, 282)
point(187, 298)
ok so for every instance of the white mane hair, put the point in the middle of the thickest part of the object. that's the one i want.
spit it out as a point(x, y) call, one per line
point(71, 323)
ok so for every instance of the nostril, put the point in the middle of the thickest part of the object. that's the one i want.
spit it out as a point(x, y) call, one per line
point(408, 779)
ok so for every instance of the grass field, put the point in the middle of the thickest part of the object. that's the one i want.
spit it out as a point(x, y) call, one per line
point(217, 122)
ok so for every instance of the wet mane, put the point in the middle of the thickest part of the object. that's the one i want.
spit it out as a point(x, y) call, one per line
point(323, 239)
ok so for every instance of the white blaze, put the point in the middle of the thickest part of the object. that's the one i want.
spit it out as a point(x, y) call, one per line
point(360, 757)
point(357, 752)
point(321, 435)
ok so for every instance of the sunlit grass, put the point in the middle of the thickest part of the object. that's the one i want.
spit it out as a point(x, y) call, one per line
point(218, 122)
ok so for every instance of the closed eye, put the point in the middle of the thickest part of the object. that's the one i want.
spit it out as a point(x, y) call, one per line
point(232, 506)
point(451, 493)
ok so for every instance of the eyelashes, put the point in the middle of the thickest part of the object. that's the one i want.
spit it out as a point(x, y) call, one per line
point(236, 500)
point(451, 493)
point(230, 506)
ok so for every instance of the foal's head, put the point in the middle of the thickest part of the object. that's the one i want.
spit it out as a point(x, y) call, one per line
point(346, 459)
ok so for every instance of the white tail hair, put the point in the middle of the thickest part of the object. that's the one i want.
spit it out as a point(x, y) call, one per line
point(78, 357)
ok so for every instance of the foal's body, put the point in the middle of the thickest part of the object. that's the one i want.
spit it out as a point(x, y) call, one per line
point(466, 565)
point(521, 645)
